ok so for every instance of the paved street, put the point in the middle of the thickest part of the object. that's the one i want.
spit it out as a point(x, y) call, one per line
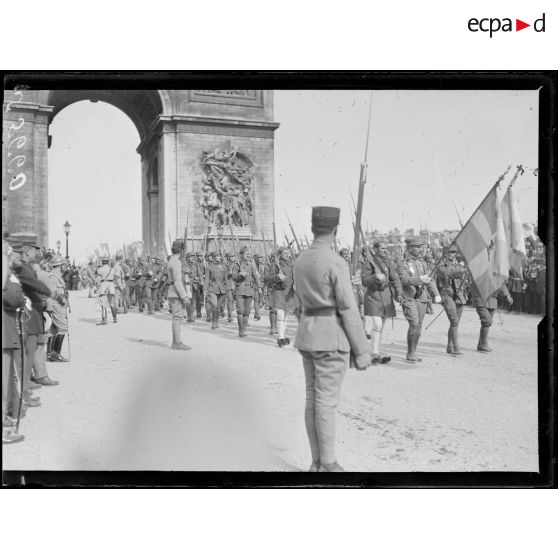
point(126, 401)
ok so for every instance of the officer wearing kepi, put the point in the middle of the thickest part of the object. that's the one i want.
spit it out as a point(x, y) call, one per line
point(415, 280)
point(329, 330)
point(179, 294)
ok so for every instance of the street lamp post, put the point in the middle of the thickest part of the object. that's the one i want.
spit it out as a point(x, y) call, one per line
point(58, 245)
point(67, 232)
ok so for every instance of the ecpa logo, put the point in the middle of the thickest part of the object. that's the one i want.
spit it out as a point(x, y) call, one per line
point(493, 25)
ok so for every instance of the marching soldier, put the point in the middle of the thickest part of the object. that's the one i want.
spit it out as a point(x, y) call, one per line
point(215, 287)
point(247, 283)
point(382, 283)
point(139, 283)
point(415, 279)
point(191, 269)
point(106, 290)
point(230, 285)
point(208, 309)
point(259, 262)
point(280, 279)
point(199, 294)
point(329, 330)
point(90, 274)
point(450, 278)
point(148, 284)
point(485, 310)
point(118, 284)
point(179, 294)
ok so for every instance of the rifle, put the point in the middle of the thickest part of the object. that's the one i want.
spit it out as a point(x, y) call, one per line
point(458, 216)
point(274, 237)
point(184, 250)
point(361, 185)
point(292, 230)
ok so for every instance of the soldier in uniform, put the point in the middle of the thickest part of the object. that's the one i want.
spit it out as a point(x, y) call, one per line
point(230, 285)
point(485, 310)
point(58, 311)
point(148, 291)
point(106, 290)
point(429, 267)
point(259, 262)
point(199, 294)
point(215, 287)
point(450, 278)
point(118, 284)
point(139, 283)
point(208, 307)
point(330, 329)
point(382, 283)
point(38, 293)
point(268, 288)
point(280, 278)
point(179, 294)
point(415, 279)
point(247, 283)
point(190, 267)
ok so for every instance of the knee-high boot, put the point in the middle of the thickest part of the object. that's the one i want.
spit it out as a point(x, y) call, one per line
point(241, 327)
point(453, 332)
point(483, 345)
point(273, 322)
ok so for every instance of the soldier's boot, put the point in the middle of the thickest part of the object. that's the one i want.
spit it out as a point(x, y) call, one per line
point(454, 340)
point(449, 348)
point(412, 342)
point(208, 312)
point(190, 312)
point(273, 322)
point(59, 344)
point(113, 311)
point(229, 311)
point(257, 315)
point(245, 324)
point(49, 347)
point(177, 338)
point(215, 319)
point(483, 345)
point(241, 327)
point(150, 306)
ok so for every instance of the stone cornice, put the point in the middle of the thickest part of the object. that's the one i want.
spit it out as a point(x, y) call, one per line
point(167, 124)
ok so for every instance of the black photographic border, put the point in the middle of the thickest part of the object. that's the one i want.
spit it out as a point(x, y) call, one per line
point(543, 81)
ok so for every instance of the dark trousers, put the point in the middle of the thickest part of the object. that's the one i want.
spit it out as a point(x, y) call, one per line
point(414, 312)
point(453, 310)
point(243, 305)
point(11, 361)
point(485, 315)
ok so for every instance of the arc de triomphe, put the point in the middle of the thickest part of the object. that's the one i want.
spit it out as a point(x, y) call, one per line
point(176, 128)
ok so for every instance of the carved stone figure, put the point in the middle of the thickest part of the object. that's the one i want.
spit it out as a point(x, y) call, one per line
point(227, 185)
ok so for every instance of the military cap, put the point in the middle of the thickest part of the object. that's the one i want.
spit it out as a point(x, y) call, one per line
point(57, 260)
point(16, 246)
point(230, 255)
point(325, 216)
point(191, 255)
point(414, 241)
point(178, 244)
point(344, 251)
point(105, 259)
point(282, 249)
point(118, 257)
point(199, 254)
point(452, 248)
point(259, 256)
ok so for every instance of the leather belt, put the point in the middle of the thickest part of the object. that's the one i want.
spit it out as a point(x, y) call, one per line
point(324, 311)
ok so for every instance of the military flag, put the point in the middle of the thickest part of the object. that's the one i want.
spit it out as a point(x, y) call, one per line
point(491, 238)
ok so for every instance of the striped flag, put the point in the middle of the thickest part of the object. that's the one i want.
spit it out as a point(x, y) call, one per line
point(485, 243)
point(514, 228)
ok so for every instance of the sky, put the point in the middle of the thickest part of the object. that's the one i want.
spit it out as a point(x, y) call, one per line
point(427, 151)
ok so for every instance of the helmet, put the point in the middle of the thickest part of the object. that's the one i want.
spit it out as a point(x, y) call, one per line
point(57, 260)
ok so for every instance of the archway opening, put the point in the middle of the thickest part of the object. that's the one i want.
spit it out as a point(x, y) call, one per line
point(94, 178)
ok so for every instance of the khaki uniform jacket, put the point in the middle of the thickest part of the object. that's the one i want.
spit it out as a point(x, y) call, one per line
point(322, 282)
point(409, 271)
point(177, 287)
point(245, 286)
point(215, 279)
point(450, 278)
